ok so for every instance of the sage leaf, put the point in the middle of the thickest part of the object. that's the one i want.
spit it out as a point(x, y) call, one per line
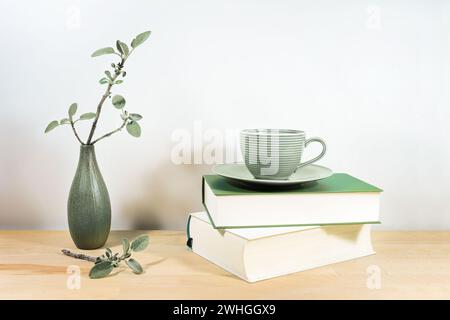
point(124, 115)
point(108, 74)
point(135, 116)
point(119, 48)
point(64, 121)
point(134, 265)
point(102, 51)
point(134, 129)
point(122, 47)
point(72, 110)
point(125, 49)
point(140, 243)
point(52, 125)
point(101, 270)
point(125, 245)
point(119, 81)
point(103, 81)
point(140, 38)
point(88, 116)
point(108, 252)
point(118, 101)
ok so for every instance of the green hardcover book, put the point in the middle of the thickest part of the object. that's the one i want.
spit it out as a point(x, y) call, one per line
point(338, 199)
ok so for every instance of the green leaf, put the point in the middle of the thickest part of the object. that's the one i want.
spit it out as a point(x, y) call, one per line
point(108, 74)
point(72, 110)
point(88, 116)
point(64, 121)
point(122, 47)
point(124, 115)
point(125, 48)
point(140, 38)
point(52, 125)
point(140, 243)
point(125, 245)
point(134, 129)
point(119, 48)
point(102, 51)
point(101, 270)
point(118, 101)
point(119, 81)
point(135, 116)
point(103, 81)
point(134, 265)
point(108, 252)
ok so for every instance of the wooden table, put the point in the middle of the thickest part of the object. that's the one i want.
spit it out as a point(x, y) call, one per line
point(410, 265)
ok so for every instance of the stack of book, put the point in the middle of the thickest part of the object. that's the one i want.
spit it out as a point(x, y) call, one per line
point(258, 234)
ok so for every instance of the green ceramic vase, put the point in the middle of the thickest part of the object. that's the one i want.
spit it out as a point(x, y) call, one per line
point(89, 207)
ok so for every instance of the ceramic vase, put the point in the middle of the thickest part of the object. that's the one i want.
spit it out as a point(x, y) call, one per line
point(89, 207)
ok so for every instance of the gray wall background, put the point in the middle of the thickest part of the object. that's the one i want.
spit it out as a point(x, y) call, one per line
point(370, 77)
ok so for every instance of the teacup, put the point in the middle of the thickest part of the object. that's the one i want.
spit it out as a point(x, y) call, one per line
point(275, 154)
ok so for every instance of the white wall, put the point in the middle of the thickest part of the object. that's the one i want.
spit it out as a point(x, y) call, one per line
point(370, 77)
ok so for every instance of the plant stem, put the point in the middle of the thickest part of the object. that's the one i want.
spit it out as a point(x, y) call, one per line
point(111, 133)
point(78, 255)
point(102, 100)
point(72, 124)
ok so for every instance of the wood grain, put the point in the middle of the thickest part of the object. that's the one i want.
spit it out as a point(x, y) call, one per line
point(412, 265)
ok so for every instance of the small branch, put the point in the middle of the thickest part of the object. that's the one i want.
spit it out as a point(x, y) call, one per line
point(111, 133)
point(78, 255)
point(72, 124)
point(102, 100)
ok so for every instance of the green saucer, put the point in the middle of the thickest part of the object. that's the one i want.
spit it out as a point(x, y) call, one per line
point(239, 173)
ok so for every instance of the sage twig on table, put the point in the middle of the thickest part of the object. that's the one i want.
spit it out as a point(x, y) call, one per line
point(78, 255)
point(105, 263)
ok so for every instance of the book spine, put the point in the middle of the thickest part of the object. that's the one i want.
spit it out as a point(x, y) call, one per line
point(203, 190)
point(188, 233)
point(204, 204)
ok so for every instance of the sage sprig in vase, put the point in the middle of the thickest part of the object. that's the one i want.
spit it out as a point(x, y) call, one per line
point(89, 206)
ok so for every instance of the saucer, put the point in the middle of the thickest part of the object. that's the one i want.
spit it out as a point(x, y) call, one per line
point(238, 172)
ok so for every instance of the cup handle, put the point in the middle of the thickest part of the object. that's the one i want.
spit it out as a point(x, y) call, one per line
point(324, 149)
